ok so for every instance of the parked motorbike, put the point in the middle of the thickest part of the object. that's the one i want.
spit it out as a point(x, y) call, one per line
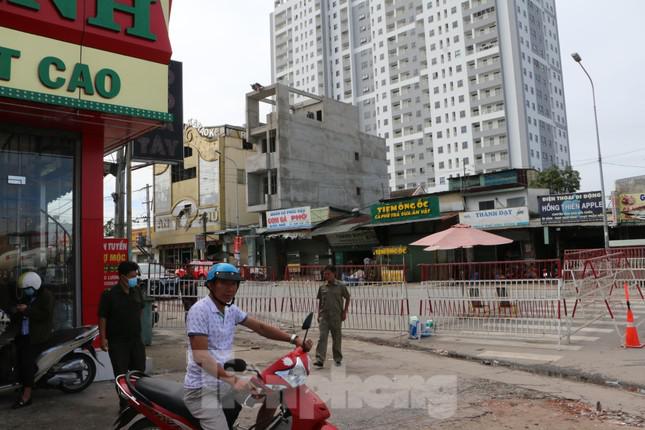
point(67, 362)
point(155, 403)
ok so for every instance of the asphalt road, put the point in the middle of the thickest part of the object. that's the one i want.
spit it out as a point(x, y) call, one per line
point(378, 387)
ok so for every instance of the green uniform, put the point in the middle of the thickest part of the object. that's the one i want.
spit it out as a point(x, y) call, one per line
point(331, 298)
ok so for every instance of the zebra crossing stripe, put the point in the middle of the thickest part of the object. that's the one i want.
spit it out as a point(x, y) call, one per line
point(519, 356)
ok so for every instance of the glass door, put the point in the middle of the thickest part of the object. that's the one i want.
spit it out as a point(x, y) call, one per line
point(37, 214)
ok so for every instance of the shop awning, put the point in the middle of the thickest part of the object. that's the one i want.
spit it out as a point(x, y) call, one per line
point(341, 225)
point(293, 235)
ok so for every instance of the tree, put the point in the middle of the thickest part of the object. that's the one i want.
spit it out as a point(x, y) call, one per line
point(558, 181)
point(108, 228)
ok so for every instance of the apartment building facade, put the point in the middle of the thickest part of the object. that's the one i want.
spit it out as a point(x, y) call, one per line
point(455, 87)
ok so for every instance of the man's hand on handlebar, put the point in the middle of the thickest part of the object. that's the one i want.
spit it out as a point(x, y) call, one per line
point(306, 346)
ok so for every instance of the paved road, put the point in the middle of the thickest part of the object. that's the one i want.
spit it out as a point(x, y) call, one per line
point(379, 388)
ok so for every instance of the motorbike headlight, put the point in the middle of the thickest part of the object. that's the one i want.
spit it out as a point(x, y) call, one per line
point(296, 376)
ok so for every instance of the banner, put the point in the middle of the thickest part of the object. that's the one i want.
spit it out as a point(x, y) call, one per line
point(166, 144)
point(115, 251)
point(631, 208)
point(406, 210)
point(496, 218)
point(570, 208)
point(289, 219)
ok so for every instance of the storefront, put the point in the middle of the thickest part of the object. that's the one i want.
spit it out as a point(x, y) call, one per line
point(77, 80)
point(403, 221)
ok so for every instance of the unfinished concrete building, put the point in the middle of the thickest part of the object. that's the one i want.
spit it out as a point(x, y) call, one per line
point(310, 154)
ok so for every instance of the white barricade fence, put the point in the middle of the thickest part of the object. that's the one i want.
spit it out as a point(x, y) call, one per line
point(517, 307)
point(373, 306)
point(594, 290)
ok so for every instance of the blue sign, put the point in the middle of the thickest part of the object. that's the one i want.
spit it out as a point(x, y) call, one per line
point(570, 208)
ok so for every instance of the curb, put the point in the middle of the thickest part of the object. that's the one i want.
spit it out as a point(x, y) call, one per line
point(543, 370)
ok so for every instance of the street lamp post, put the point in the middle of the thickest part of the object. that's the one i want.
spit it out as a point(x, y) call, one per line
point(576, 57)
point(237, 201)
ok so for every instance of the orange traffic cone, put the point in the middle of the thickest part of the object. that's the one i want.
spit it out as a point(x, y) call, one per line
point(631, 334)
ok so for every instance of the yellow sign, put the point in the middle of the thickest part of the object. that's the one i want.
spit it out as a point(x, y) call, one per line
point(39, 69)
point(391, 250)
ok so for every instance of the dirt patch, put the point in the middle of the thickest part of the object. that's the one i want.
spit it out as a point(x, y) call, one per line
point(544, 414)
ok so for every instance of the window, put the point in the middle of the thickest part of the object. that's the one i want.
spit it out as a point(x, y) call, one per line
point(188, 152)
point(515, 202)
point(274, 183)
point(241, 176)
point(357, 156)
point(358, 191)
point(486, 205)
point(178, 173)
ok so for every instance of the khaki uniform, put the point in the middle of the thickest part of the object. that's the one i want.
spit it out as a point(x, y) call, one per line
point(331, 302)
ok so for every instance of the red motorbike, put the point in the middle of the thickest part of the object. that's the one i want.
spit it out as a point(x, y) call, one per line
point(155, 403)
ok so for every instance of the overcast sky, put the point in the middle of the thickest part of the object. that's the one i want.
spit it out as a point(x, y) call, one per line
point(224, 46)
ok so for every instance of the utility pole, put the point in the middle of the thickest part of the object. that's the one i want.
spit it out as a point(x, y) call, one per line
point(148, 203)
point(205, 229)
point(128, 170)
point(119, 194)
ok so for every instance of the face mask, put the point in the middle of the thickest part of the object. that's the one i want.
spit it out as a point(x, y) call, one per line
point(29, 291)
point(133, 282)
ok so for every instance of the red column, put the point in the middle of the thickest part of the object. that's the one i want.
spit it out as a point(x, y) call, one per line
point(91, 252)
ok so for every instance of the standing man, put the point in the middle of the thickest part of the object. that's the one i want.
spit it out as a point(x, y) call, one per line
point(331, 314)
point(34, 317)
point(120, 322)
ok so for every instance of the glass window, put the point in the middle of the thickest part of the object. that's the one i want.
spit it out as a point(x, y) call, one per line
point(486, 205)
point(515, 202)
point(37, 215)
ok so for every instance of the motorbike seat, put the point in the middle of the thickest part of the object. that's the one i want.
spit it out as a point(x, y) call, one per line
point(167, 394)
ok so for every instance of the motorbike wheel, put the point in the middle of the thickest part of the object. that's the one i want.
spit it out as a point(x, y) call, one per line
point(143, 424)
point(87, 376)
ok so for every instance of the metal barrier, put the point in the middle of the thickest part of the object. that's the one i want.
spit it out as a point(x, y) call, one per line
point(521, 308)
point(374, 307)
point(489, 270)
point(593, 289)
point(255, 298)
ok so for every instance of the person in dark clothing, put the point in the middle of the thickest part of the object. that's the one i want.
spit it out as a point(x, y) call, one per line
point(120, 322)
point(34, 317)
point(333, 304)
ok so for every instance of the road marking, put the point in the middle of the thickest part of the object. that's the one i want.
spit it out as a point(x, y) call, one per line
point(510, 343)
point(537, 336)
point(519, 356)
point(595, 330)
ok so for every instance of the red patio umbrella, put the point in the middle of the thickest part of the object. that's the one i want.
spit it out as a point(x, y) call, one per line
point(460, 236)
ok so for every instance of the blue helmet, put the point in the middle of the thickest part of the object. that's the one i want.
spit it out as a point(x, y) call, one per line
point(225, 272)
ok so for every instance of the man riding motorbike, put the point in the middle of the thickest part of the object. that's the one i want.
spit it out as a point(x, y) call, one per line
point(211, 323)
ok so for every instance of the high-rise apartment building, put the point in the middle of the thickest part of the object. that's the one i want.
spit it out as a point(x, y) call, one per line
point(456, 87)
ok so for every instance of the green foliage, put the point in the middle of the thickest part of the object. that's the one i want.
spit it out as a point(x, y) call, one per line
point(558, 181)
point(108, 228)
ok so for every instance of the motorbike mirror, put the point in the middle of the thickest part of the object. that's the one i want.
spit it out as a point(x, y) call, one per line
point(307, 324)
point(237, 365)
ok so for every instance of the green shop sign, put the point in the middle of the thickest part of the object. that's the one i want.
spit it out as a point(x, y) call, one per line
point(406, 210)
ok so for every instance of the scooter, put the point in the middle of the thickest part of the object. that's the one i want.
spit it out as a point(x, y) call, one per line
point(155, 403)
point(67, 362)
